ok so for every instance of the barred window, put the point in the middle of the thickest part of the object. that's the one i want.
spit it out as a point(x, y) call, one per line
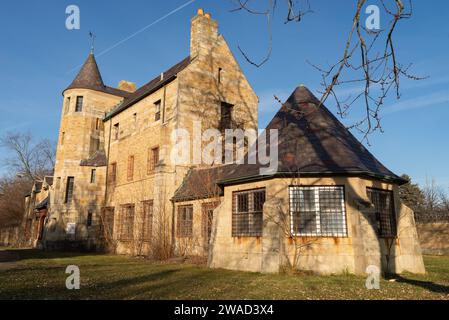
point(147, 219)
point(385, 213)
point(127, 222)
point(185, 221)
point(247, 213)
point(318, 211)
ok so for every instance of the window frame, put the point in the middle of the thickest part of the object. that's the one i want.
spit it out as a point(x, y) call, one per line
point(247, 219)
point(318, 213)
point(157, 110)
point(79, 104)
point(116, 131)
point(393, 219)
point(69, 191)
point(93, 176)
point(127, 213)
point(184, 227)
point(153, 159)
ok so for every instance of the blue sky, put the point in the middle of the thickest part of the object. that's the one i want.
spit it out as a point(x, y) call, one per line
point(39, 58)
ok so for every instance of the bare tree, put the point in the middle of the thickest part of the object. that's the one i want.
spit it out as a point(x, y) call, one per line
point(12, 192)
point(29, 159)
point(432, 195)
point(369, 58)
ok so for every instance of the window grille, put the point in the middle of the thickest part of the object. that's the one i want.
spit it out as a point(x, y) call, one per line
point(185, 221)
point(247, 213)
point(318, 211)
point(385, 212)
point(127, 222)
point(147, 219)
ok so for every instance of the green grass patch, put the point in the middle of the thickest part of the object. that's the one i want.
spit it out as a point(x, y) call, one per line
point(41, 275)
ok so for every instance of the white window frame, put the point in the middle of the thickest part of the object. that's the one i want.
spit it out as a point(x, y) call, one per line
point(297, 189)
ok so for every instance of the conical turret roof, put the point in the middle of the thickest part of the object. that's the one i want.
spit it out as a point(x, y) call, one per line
point(89, 76)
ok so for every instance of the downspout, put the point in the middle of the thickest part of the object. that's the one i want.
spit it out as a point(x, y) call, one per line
point(173, 239)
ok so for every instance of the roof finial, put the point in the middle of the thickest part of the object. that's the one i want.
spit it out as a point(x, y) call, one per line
point(92, 44)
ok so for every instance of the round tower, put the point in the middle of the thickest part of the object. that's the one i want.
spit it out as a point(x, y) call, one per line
point(80, 168)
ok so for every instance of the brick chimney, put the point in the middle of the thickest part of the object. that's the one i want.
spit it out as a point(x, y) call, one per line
point(203, 34)
point(127, 86)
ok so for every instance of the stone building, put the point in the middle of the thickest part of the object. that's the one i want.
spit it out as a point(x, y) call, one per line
point(118, 183)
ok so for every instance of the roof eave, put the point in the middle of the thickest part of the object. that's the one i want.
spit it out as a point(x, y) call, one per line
point(253, 178)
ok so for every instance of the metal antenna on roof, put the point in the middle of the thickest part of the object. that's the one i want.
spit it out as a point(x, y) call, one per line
point(92, 39)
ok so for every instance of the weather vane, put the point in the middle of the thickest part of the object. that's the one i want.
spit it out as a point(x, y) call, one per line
point(92, 38)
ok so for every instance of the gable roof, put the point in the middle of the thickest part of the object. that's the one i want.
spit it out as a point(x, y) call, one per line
point(311, 141)
point(150, 87)
point(89, 77)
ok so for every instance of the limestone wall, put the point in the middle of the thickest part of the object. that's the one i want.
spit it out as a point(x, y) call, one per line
point(276, 249)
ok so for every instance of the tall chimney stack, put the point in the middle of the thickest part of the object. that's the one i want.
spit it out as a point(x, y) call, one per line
point(203, 34)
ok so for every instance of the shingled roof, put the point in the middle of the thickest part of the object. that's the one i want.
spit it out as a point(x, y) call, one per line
point(201, 183)
point(311, 142)
point(89, 77)
point(147, 89)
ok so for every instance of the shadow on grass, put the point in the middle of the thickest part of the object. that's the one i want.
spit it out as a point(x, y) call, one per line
point(27, 254)
point(428, 285)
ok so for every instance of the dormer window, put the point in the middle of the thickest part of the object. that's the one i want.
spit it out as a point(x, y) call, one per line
point(157, 107)
point(79, 104)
